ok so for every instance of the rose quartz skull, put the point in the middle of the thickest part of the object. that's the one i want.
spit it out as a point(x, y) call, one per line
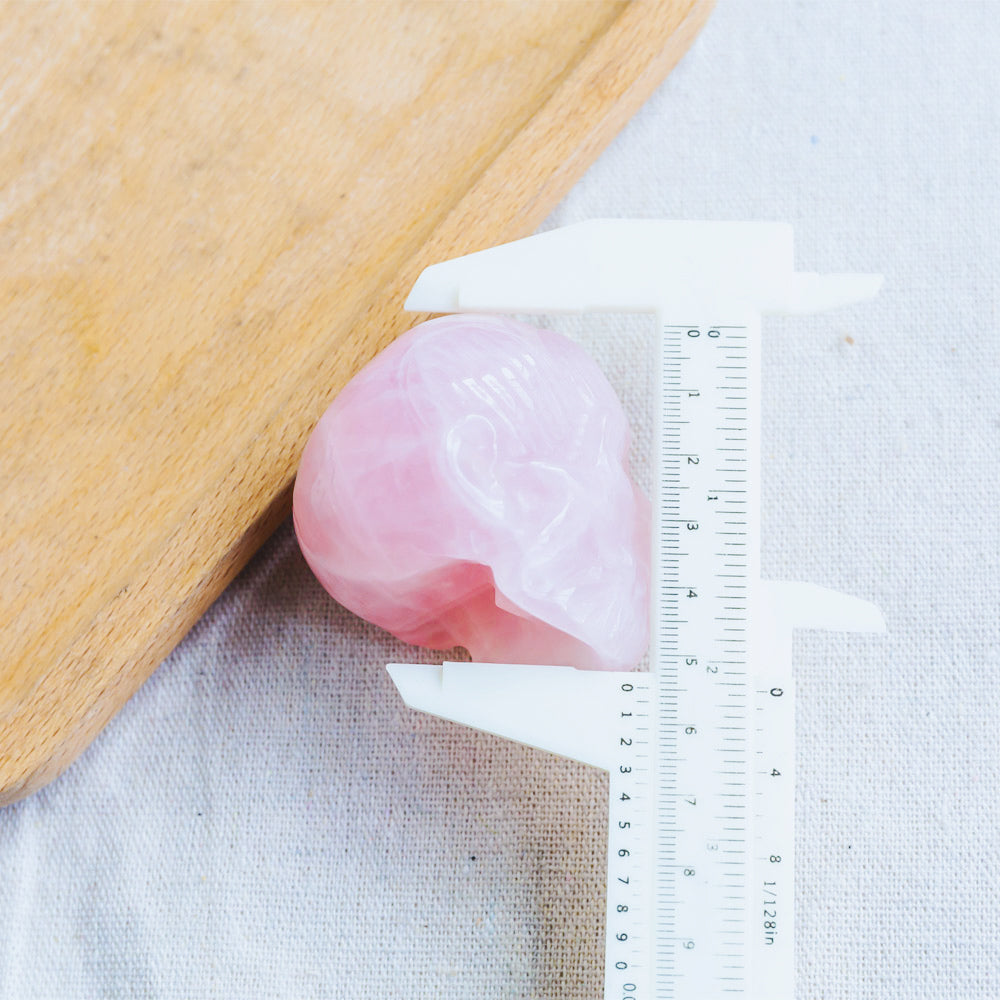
point(469, 488)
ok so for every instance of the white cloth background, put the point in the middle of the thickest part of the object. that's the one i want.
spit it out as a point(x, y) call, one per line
point(264, 819)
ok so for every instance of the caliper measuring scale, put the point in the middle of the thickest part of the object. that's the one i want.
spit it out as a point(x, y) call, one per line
point(700, 749)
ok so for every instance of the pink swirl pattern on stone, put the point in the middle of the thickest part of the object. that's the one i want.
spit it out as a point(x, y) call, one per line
point(470, 487)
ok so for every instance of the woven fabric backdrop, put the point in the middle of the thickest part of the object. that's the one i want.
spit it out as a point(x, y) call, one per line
point(265, 819)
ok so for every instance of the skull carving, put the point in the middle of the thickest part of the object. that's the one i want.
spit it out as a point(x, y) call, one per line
point(470, 488)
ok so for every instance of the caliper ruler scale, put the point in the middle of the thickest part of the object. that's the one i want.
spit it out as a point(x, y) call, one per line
point(699, 750)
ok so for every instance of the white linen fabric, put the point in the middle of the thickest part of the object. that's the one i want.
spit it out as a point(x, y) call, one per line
point(266, 819)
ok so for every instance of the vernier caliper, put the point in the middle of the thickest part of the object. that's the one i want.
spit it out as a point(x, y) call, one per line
point(700, 750)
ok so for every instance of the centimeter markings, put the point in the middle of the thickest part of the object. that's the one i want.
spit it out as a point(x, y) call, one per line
point(700, 859)
point(706, 556)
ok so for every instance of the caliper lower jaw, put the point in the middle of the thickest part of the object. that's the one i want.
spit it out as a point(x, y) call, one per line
point(564, 710)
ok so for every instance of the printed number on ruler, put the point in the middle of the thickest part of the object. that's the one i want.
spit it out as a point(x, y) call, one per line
point(629, 880)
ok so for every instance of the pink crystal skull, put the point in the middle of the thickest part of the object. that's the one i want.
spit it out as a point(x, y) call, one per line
point(470, 488)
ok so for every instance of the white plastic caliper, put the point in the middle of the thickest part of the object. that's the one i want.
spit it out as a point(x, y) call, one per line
point(700, 750)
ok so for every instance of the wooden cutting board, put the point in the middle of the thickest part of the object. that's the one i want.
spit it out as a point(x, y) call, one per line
point(210, 215)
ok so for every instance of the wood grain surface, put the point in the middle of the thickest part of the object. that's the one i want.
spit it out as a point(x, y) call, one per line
point(210, 214)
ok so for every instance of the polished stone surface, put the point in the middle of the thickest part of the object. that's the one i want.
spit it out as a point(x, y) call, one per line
point(470, 487)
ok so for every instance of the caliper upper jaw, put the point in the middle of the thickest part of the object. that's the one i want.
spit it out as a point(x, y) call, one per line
point(637, 265)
